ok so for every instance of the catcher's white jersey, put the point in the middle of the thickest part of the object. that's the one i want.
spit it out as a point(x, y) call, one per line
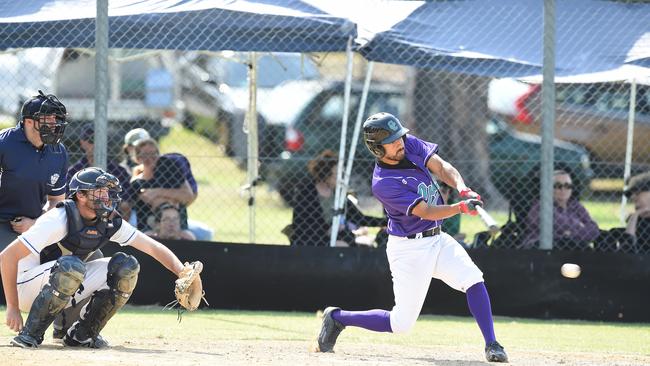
point(413, 262)
point(50, 228)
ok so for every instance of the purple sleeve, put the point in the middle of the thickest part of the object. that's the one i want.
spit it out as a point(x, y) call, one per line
point(184, 164)
point(420, 148)
point(588, 230)
point(392, 195)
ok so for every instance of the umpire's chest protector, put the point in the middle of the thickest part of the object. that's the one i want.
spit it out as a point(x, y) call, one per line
point(81, 239)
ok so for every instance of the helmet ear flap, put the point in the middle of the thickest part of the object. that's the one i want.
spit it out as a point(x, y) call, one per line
point(378, 151)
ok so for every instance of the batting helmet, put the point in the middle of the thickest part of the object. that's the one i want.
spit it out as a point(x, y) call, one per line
point(379, 129)
point(40, 106)
point(92, 179)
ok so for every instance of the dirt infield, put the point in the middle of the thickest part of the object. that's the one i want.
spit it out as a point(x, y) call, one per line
point(165, 352)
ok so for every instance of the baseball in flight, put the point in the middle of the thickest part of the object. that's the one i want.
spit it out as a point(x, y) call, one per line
point(570, 270)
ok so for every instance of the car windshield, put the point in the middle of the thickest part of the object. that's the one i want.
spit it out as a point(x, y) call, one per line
point(272, 71)
point(285, 103)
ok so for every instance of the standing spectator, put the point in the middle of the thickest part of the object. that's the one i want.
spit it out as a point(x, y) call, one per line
point(86, 142)
point(313, 207)
point(33, 163)
point(573, 227)
point(168, 224)
point(130, 140)
point(638, 223)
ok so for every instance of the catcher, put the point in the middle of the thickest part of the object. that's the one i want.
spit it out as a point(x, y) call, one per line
point(45, 271)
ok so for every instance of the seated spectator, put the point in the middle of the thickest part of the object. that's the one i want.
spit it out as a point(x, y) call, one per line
point(168, 224)
point(313, 208)
point(131, 138)
point(573, 227)
point(161, 179)
point(86, 142)
point(638, 223)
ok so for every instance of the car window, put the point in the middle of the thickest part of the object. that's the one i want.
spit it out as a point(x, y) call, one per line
point(604, 97)
point(332, 109)
point(390, 103)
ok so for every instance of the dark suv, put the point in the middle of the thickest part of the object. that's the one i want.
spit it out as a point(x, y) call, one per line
point(308, 115)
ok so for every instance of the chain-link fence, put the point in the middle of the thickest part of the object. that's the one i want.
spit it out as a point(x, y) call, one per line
point(185, 172)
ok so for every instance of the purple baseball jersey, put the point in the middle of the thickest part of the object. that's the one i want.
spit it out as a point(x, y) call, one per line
point(401, 187)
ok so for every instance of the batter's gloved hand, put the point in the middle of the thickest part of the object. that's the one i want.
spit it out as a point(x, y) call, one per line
point(469, 206)
point(468, 193)
point(189, 288)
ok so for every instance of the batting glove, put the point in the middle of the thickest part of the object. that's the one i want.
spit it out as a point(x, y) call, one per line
point(468, 193)
point(469, 206)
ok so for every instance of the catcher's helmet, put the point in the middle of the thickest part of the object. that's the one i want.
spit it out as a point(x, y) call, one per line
point(38, 108)
point(92, 179)
point(379, 129)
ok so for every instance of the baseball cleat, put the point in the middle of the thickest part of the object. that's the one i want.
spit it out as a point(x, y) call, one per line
point(329, 331)
point(494, 352)
point(57, 335)
point(98, 342)
point(24, 341)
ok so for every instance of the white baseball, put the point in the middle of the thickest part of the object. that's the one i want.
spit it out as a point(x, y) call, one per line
point(570, 270)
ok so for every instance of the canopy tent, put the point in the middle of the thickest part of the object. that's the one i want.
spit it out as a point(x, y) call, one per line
point(244, 25)
point(501, 37)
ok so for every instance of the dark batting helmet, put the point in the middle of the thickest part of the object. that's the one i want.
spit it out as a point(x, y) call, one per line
point(93, 179)
point(38, 108)
point(379, 129)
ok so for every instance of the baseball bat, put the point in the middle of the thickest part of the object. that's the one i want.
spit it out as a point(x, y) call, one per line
point(487, 219)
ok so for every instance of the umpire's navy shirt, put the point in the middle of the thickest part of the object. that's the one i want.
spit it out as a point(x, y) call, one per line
point(28, 175)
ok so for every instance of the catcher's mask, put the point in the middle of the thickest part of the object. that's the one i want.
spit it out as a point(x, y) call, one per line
point(49, 116)
point(102, 188)
point(379, 129)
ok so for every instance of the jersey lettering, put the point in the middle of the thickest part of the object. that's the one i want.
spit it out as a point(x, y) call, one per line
point(429, 193)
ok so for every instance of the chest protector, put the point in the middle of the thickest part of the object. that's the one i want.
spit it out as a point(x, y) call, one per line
point(82, 240)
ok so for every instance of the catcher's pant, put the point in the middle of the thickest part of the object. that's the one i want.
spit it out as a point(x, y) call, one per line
point(412, 264)
point(31, 282)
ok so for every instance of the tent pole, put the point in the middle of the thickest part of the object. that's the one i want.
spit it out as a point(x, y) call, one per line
point(344, 127)
point(251, 121)
point(355, 135)
point(101, 83)
point(628, 146)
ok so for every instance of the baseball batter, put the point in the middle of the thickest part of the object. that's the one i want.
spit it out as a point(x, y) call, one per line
point(46, 269)
point(417, 250)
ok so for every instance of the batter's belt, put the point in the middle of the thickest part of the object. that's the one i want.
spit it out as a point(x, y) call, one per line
point(425, 234)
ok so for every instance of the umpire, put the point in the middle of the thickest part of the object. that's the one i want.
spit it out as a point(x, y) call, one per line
point(33, 165)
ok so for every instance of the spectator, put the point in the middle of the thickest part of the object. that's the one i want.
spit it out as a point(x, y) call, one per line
point(638, 223)
point(573, 228)
point(130, 140)
point(168, 224)
point(313, 207)
point(33, 163)
point(160, 180)
point(86, 142)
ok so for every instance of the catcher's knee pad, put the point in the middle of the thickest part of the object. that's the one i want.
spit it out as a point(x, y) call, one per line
point(67, 275)
point(122, 274)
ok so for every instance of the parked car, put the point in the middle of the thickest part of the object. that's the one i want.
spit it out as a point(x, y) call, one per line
point(312, 123)
point(592, 115)
point(215, 93)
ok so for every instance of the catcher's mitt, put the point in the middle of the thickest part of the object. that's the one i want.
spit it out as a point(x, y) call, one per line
point(189, 288)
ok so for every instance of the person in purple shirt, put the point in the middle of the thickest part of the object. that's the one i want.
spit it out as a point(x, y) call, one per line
point(417, 249)
point(573, 228)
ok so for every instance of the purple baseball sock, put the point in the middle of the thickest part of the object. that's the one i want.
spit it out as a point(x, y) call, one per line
point(479, 305)
point(377, 320)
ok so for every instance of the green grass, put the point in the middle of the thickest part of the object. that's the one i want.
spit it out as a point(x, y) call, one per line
point(515, 333)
